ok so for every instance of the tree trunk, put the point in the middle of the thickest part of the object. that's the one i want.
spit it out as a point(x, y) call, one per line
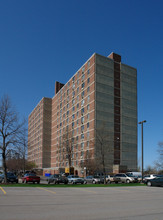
point(4, 166)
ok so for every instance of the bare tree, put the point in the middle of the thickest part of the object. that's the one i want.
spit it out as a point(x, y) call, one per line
point(90, 163)
point(68, 145)
point(103, 148)
point(22, 147)
point(10, 129)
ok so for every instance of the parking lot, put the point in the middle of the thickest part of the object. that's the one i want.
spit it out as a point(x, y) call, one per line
point(81, 203)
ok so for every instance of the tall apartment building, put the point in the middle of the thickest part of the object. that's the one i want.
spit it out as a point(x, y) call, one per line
point(100, 97)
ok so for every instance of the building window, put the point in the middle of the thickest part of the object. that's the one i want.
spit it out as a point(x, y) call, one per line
point(82, 86)
point(83, 77)
point(73, 108)
point(88, 63)
point(88, 98)
point(82, 111)
point(82, 94)
point(78, 75)
point(73, 117)
point(73, 101)
point(78, 82)
point(77, 90)
point(73, 94)
point(77, 98)
point(82, 128)
point(77, 114)
point(88, 135)
point(88, 116)
point(82, 146)
point(88, 89)
point(82, 102)
point(82, 119)
point(67, 113)
point(67, 91)
point(82, 136)
point(77, 122)
point(88, 80)
point(68, 105)
point(88, 72)
point(73, 79)
point(88, 107)
point(87, 143)
point(88, 125)
point(77, 130)
point(77, 106)
point(73, 86)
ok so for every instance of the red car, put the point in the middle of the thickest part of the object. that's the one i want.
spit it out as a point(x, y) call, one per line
point(30, 177)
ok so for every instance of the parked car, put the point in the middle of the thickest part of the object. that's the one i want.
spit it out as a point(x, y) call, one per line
point(30, 177)
point(11, 178)
point(157, 181)
point(149, 177)
point(75, 179)
point(109, 178)
point(94, 179)
point(123, 178)
point(134, 177)
point(53, 178)
point(57, 179)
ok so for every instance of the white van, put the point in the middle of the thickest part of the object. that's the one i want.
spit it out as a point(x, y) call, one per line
point(134, 173)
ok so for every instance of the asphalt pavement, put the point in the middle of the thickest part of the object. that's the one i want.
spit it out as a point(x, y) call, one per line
point(78, 203)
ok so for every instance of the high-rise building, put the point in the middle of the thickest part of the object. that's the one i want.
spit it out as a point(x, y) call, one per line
point(91, 117)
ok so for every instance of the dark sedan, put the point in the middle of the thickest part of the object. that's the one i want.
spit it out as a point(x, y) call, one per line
point(158, 181)
point(57, 179)
point(11, 178)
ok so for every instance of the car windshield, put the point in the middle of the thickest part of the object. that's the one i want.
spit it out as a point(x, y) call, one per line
point(54, 176)
point(30, 174)
point(10, 174)
point(129, 174)
point(96, 177)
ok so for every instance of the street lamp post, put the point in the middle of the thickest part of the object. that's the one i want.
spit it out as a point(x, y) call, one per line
point(141, 122)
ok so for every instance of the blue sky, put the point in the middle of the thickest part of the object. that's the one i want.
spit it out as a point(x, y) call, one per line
point(44, 41)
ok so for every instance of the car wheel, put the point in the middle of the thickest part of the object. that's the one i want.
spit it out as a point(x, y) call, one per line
point(127, 181)
point(48, 182)
point(94, 182)
point(38, 182)
point(85, 182)
point(149, 183)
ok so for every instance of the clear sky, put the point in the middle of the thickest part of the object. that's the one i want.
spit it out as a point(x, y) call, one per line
point(44, 41)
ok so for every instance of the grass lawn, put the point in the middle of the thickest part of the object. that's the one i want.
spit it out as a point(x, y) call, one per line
point(70, 185)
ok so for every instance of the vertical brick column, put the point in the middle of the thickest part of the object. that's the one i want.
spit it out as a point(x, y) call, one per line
point(117, 107)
